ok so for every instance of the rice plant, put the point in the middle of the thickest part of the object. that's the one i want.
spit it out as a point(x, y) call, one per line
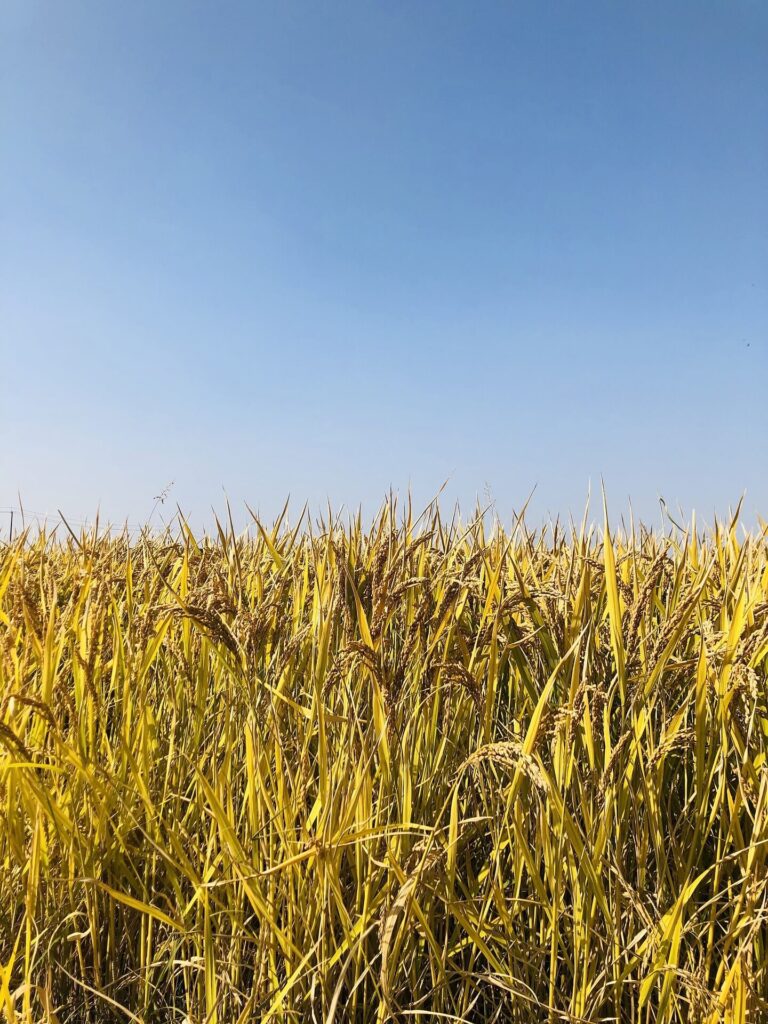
point(407, 771)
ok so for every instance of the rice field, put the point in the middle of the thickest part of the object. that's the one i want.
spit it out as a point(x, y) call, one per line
point(405, 770)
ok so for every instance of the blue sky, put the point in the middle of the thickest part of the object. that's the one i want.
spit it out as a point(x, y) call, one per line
point(329, 248)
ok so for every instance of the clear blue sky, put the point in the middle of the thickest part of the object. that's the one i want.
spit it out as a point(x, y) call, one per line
point(325, 248)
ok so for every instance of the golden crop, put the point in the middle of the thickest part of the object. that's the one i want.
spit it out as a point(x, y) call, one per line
point(412, 772)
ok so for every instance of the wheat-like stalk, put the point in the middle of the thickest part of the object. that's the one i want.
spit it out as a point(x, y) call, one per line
point(418, 771)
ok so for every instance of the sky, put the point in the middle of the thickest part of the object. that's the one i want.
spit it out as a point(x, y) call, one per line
point(326, 249)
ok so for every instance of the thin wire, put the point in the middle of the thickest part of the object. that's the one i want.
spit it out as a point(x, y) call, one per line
point(48, 518)
point(38, 518)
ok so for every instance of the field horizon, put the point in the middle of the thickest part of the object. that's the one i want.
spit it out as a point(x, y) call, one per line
point(243, 518)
